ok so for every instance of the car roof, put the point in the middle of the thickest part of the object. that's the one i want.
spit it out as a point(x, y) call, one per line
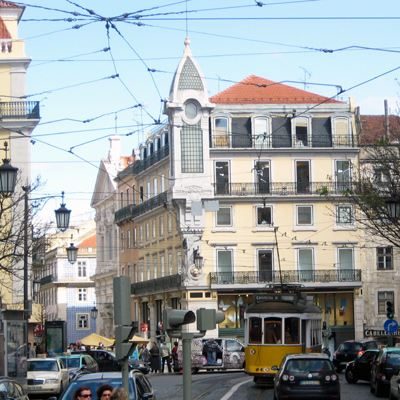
point(43, 359)
point(391, 349)
point(307, 356)
point(101, 375)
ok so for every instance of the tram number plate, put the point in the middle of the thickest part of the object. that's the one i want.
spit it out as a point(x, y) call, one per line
point(309, 382)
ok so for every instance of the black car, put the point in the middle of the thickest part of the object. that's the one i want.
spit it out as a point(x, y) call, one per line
point(306, 376)
point(360, 368)
point(349, 350)
point(139, 386)
point(386, 364)
point(11, 389)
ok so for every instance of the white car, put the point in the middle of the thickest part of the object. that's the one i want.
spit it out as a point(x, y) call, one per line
point(46, 376)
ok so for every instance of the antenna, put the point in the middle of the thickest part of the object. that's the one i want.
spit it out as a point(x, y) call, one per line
point(307, 75)
point(186, 20)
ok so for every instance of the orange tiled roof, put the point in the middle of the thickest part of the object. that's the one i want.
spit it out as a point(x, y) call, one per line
point(7, 4)
point(373, 128)
point(4, 34)
point(89, 242)
point(257, 90)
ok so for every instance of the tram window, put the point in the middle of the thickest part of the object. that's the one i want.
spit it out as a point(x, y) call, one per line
point(255, 333)
point(292, 330)
point(272, 330)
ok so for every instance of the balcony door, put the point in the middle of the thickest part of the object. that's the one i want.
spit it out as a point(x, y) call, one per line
point(345, 264)
point(262, 176)
point(305, 264)
point(343, 174)
point(265, 266)
point(222, 177)
point(303, 176)
point(224, 266)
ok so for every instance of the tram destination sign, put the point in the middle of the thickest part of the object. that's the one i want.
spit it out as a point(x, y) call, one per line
point(371, 332)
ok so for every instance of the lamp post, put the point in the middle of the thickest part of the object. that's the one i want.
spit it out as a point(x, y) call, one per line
point(94, 312)
point(72, 253)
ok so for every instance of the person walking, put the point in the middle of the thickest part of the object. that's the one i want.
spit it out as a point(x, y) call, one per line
point(155, 359)
point(165, 357)
point(174, 355)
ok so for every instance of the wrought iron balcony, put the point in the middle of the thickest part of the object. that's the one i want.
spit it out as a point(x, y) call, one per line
point(260, 142)
point(132, 211)
point(47, 279)
point(283, 188)
point(141, 165)
point(327, 276)
point(19, 110)
point(166, 283)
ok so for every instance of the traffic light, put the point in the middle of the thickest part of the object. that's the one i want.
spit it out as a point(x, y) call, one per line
point(389, 310)
point(208, 319)
point(123, 333)
point(174, 319)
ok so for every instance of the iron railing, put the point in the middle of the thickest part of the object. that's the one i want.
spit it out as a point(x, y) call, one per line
point(288, 277)
point(131, 211)
point(262, 142)
point(47, 279)
point(283, 188)
point(166, 283)
point(19, 110)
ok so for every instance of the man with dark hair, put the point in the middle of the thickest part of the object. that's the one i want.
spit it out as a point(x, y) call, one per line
point(104, 392)
point(83, 393)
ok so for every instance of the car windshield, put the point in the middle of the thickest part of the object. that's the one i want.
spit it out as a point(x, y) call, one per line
point(71, 362)
point(393, 360)
point(42, 365)
point(94, 385)
point(350, 347)
point(307, 365)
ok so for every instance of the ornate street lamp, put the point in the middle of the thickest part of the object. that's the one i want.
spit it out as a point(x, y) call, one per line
point(94, 312)
point(198, 259)
point(8, 175)
point(72, 253)
point(62, 215)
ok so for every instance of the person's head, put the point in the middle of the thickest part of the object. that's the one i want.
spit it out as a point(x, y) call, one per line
point(176, 343)
point(104, 392)
point(119, 394)
point(83, 393)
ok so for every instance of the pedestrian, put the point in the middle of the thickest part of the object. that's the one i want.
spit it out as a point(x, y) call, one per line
point(104, 392)
point(155, 359)
point(174, 355)
point(144, 354)
point(165, 357)
point(83, 393)
point(119, 394)
point(31, 350)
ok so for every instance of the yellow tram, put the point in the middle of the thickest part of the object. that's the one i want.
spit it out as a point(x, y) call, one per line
point(279, 323)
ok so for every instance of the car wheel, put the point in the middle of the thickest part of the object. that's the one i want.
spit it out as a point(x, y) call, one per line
point(350, 377)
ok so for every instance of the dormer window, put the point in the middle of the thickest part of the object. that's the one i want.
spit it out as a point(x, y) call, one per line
point(221, 137)
point(341, 129)
point(301, 132)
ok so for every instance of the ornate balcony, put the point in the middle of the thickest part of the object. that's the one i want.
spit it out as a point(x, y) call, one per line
point(132, 211)
point(47, 279)
point(19, 110)
point(314, 278)
point(282, 188)
point(259, 142)
point(166, 283)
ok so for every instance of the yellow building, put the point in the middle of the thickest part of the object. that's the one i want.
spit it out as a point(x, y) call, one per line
point(253, 180)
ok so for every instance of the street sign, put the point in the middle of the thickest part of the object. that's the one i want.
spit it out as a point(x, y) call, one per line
point(391, 326)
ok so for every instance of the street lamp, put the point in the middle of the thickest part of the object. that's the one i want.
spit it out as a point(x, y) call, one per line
point(94, 312)
point(72, 253)
point(62, 215)
point(8, 175)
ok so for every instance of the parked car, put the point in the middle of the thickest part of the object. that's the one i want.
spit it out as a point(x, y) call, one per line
point(46, 376)
point(349, 350)
point(77, 363)
point(394, 389)
point(139, 386)
point(306, 375)
point(360, 368)
point(386, 364)
point(11, 389)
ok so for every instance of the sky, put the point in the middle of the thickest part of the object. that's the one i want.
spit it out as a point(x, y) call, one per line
point(96, 79)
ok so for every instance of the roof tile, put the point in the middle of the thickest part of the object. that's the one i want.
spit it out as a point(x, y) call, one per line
point(373, 128)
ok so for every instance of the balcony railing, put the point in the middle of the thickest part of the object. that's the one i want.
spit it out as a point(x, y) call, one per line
point(166, 283)
point(19, 110)
point(132, 211)
point(283, 188)
point(141, 165)
point(331, 276)
point(261, 142)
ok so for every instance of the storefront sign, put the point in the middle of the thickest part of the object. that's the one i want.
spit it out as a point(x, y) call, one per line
point(371, 332)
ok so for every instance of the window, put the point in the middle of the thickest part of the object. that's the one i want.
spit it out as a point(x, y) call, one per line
point(169, 223)
point(82, 269)
point(302, 176)
point(304, 215)
point(221, 138)
point(301, 132)
point(224, 265)
point(148, 269)
point(154, 228)
point(342, 131)
point(162, 264)
point(147, 226)
point(264, 216)
point(82, 294)
point(224, 217)
point(170, 265)
point(262, 133)
point(292, 330)
point(305, 264)
point(344, 215)
point(262, 179)
point(155, 187)
point(343, 175)
point(384, 257)
point(272, 330)
point(155, 266)
point(345, 264)
point(383, 297)
point(255, 330)
point(265, 265)
point(161, 226)
point(192, 148)
point(222, 177)
point(82, 321)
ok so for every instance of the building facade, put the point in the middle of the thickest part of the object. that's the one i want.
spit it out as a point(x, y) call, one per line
point(252, 181)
